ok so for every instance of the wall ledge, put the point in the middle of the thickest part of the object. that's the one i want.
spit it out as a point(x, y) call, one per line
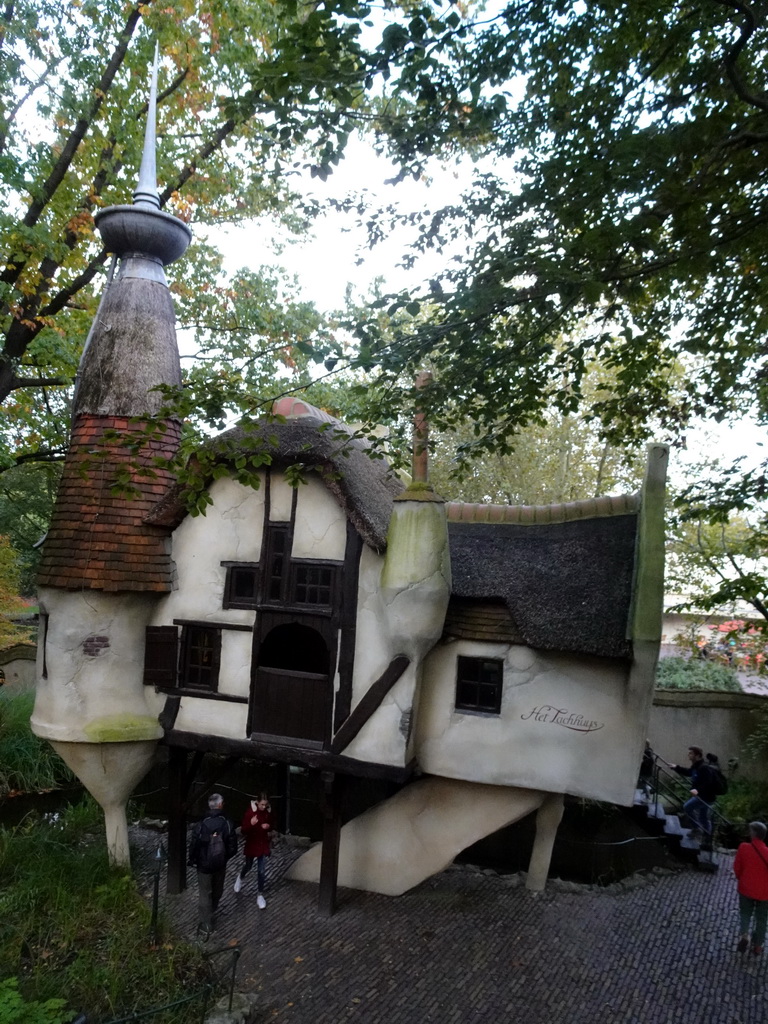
point(709, 699)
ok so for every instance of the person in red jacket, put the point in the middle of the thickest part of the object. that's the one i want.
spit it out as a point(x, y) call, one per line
point(256, 826)
point(751, 870)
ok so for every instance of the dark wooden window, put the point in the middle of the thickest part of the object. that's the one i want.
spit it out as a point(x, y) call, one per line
point(160, 656)
point(42, 638)
point(241, 588)
point(313, 584)
point(479, 684)
point(275, 573)
point(200, 657)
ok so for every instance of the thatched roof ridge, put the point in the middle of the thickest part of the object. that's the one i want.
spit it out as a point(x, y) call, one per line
point(563, 512)
point(363, 486)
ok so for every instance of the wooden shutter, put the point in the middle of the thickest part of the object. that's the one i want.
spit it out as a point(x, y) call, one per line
point(161, 656)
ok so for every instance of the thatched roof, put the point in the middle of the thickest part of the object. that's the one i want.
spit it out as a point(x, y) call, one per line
point(566, 585)
point(363, 486)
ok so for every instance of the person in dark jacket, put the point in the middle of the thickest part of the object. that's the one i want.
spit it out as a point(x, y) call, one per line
point(256, 826)
point(702, 791)
point(207, 838)
point(751, 869)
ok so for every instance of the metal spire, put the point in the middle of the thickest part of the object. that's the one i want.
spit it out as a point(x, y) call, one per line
point(143, 229)
point(146, 190)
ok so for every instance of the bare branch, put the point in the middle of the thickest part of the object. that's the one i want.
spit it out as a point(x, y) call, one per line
point(17, 106)
point(202, 154)
point(40, 382)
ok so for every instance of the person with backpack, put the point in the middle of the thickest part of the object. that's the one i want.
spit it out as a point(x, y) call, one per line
point(751, 869)
point(213, 842)
point(256, 826)
point(703, 793)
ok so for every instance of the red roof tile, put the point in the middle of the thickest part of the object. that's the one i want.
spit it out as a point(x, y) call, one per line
point(98, 540)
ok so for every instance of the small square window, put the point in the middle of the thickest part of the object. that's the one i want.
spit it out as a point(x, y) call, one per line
point(242, 585)
point(479, 683)
point(313, 584)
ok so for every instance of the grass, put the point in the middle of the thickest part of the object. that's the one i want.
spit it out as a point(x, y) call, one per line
point(695, 674)
point(71, 927)
point(27, 763)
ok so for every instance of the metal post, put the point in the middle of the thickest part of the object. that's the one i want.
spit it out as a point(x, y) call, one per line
point(235, 958)
point(156, 894)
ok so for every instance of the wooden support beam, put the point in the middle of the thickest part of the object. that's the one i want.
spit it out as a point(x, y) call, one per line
point(329, 860)
point(177, 820)
point(370, 703)
point(259, 750)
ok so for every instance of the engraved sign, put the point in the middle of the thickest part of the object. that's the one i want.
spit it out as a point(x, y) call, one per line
point(551, 715)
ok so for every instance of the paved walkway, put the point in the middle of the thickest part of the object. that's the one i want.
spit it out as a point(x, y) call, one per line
point(468, 946)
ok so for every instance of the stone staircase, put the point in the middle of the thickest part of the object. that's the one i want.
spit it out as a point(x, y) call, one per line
point(681, 842)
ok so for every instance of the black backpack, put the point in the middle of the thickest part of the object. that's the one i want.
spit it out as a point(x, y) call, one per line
point(213, 847)
point(718, 780)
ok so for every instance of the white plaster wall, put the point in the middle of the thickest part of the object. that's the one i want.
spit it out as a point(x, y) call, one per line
point(402, 601)
point(414, 834)
point(230, 531)
point(280, 498)
point(320, 528)
point(212, 717)
point(98, 696)
point(373, 652)
point(537, 741)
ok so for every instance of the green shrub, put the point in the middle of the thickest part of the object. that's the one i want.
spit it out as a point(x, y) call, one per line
point(745, 801)
point(71, 926)
point(14, 1009)
point(695, 674)
point(27, 763)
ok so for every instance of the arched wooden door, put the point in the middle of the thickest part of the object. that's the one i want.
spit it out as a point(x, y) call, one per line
point(291, 694)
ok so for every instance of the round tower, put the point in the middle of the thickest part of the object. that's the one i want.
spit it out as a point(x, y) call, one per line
point(104, 565)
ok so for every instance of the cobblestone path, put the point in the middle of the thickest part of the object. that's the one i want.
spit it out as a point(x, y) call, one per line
point(466, 946)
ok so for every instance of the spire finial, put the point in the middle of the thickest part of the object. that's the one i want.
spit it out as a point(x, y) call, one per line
point(143, 229)
point(419, 460)
point(146, 190)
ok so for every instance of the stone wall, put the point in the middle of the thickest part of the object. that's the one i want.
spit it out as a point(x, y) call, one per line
point(18, 665)
point(717, 722)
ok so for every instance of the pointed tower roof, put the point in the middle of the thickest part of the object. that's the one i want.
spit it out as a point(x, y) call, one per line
point(99, 539)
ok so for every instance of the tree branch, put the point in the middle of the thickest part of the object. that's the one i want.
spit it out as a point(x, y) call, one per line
point(731, 56)
point(39, 382)
point(17, 106)
point(6, 20)
point(56, 176)
point(202, 154)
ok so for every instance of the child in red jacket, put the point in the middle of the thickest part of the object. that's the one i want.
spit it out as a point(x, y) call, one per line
point(256, 826)
point(751, 870)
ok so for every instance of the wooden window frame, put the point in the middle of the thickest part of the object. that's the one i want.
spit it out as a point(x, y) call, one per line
point(465, 677)
point(297, 565)
point(231, 599)
point(161, 656)
point(188, 648)
point(275, 530)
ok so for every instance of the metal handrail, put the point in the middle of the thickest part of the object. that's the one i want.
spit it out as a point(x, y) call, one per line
point(669, 784)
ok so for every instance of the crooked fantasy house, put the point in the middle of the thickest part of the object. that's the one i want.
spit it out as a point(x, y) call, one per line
point(487, 659)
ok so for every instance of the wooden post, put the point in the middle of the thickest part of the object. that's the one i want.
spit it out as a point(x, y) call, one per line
point(177, 820)
point(329, 861)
